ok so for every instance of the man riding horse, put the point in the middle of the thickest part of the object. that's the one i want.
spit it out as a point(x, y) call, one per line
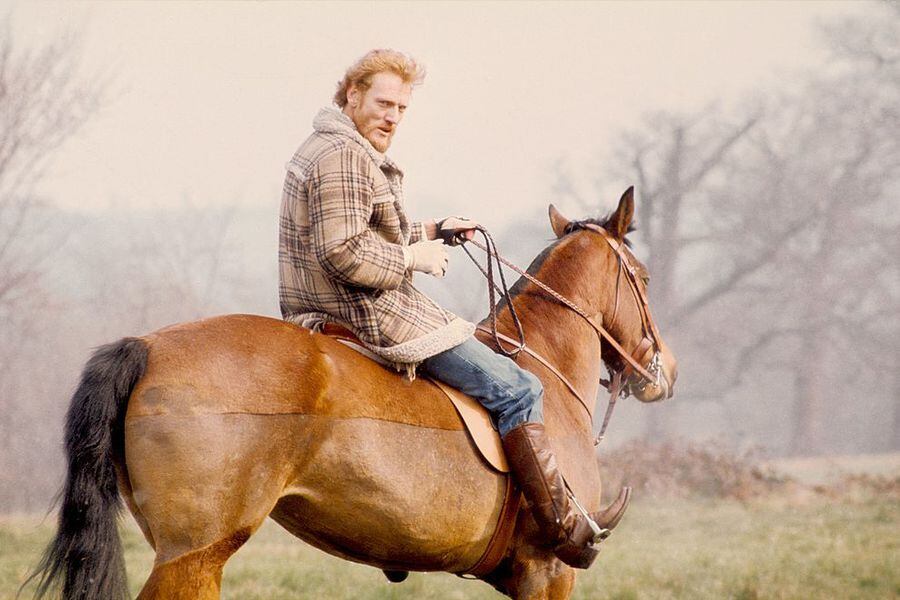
point(347, 255)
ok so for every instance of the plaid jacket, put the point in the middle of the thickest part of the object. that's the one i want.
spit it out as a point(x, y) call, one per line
point(340, 257)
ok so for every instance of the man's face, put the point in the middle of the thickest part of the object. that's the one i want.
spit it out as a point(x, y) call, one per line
point(378, 111)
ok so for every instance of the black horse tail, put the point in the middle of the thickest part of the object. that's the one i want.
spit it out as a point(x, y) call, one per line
point(86, 553)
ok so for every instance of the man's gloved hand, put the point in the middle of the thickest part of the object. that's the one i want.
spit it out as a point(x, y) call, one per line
point(428, 257)
point(456, 230)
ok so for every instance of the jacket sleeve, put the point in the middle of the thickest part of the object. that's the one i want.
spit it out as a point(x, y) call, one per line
point(340, 206)
point(417, 232)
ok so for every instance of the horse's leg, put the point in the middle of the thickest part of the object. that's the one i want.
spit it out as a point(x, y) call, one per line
point(203, 484)
point(532, 571)
point(540, 575)
point(194, 575)
point(127, 494)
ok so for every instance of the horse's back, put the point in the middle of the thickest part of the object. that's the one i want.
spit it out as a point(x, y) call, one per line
point(258, 365)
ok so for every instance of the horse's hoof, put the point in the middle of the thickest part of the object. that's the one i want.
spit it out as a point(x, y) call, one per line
point(609, 517)
point(396, 576)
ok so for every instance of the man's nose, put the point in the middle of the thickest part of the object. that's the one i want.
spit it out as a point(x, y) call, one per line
point(392, 116)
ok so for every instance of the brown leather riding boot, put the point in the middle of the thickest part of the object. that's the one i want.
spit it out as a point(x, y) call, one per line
point(610, 516)
point(534, 466)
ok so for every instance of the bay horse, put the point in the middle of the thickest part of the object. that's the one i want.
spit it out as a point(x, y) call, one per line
point(206, 428)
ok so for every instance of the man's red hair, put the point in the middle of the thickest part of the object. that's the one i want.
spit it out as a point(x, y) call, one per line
point(361, 72)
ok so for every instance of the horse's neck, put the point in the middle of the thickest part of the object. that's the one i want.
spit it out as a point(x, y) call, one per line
point(557, 332)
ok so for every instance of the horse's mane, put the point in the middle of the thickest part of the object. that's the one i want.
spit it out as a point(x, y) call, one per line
point(604, 222)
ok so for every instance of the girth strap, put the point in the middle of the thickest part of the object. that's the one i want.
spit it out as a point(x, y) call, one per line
point(496, 548)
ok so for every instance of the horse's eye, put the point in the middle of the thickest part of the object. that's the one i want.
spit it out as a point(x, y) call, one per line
point(646, 280)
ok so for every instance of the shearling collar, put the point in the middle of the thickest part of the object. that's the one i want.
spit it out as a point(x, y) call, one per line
point(332, 120)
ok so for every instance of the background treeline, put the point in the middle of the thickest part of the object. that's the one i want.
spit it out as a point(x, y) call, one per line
point(770, 227)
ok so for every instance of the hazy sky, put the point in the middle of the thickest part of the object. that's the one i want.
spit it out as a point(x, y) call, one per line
point(210, 100)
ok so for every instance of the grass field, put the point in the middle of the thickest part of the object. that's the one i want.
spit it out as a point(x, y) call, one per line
point(768, 548)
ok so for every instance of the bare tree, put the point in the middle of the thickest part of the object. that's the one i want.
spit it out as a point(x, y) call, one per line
point(824, 313)
point(768, 237)
point(676, 161)
point(43, 103)
point(831, 278)
point(157, 267)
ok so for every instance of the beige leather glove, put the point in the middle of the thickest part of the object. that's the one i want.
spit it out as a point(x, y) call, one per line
point(456, 230)
point(428, 257)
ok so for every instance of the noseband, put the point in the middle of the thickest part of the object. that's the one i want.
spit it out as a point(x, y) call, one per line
point(624, 380)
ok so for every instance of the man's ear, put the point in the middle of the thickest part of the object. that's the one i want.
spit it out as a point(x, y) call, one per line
point(353, 96)
point(558, 222)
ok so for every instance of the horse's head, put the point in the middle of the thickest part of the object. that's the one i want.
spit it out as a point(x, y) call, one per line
point(622, 298)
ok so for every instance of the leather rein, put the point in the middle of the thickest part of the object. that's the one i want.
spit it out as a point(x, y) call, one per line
point(621, 380)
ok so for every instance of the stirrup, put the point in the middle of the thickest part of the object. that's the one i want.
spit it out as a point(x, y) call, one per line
point(580, 550)
point(600, 533)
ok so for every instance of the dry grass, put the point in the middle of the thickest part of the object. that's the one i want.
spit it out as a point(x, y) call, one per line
point(737, 531)
point(678, 549)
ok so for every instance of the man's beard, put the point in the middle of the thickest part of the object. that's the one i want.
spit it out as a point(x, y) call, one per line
point(376, 136)
point(380, 144)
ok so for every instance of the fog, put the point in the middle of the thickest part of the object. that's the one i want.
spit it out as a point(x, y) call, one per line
point(142, 153)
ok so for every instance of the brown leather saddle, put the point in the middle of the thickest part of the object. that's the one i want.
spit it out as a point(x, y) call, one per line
point(474, 416)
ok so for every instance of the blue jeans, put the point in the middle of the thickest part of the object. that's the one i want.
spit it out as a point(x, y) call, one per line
point(511, 394)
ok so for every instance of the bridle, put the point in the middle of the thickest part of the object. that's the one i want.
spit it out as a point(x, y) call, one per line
point(625, 378)
point(649, 343)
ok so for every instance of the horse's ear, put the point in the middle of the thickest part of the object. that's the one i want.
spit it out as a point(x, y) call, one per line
point(621, 219)
point(558, 222)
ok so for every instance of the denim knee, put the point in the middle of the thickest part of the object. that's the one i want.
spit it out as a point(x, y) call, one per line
point(527, 403)
point(536, 394)
point(512, 395)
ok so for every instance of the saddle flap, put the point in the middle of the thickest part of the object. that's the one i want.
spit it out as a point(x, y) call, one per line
point(478, 424)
